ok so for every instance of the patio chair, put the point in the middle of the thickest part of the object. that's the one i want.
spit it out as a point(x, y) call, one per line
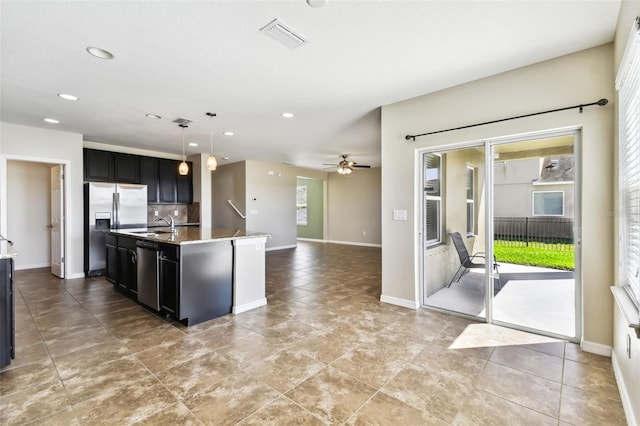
point(466, 261)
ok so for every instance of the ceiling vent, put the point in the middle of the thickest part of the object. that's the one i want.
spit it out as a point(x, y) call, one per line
point(280, 32)
point(182, 121)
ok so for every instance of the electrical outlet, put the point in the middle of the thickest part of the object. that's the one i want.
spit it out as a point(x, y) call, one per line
point(156, 213)
point(364, 232)
point(175, 212)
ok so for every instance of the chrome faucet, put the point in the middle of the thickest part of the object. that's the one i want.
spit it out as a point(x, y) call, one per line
point(169, 222)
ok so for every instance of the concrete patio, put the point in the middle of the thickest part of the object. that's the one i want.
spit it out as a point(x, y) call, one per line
point(537, 298)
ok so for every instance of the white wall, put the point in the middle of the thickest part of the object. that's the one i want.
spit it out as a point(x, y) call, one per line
point(29, 212)
point(570, 80)
point(48, 146)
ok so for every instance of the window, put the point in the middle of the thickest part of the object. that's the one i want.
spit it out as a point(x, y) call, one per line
point(301, 205)
point(433, 198)
point(471, 200)
point(548, 203)
point(628, 86)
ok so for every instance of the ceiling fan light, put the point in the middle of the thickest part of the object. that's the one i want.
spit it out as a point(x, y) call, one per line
point(183, 168)
point(212, 163)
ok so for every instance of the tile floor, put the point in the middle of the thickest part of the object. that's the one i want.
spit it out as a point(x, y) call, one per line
point(324, 351)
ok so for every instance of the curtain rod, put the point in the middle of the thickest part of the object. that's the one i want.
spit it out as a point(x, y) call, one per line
point(601, 102)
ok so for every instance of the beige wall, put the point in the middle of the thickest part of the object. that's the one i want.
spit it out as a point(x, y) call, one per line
point(627, 369)
point(49, 146)
point(271, 202)
point(570, 80)
point(354, 207)
point(29, 197)
point(228, 183)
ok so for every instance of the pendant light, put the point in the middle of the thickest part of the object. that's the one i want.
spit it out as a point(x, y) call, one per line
point(212, 163)
point(183, 168)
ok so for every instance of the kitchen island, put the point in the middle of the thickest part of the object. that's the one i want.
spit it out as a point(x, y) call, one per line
point(7, 303)
point(191, 274)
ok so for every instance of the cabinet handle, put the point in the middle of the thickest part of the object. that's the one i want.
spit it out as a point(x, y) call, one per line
point(134, 257)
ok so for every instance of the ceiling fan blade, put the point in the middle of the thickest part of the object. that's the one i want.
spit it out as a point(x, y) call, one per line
point(361, 166)
point(330, 164)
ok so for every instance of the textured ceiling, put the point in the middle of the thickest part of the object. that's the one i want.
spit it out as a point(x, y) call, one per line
point(183, 59)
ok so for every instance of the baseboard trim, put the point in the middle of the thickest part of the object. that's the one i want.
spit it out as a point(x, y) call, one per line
point(281, 248)
point(353, 243)
point(32, 266)
point(596, 348)
point(248, 306)
point(411, 304)
point(624, 394)
point(313, 240)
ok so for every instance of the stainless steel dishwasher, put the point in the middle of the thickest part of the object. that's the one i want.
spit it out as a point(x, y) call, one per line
point(148, 277)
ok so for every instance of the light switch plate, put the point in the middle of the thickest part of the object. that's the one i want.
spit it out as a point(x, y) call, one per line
point(399, 215)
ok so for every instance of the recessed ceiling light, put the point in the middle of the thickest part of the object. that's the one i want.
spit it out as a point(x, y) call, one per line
point(154, 116)
point(228, 133)
point(67, 97)
point(287, 115)
point(192, 144)
point(51, 120)
point(100, 53)
point(225, 158)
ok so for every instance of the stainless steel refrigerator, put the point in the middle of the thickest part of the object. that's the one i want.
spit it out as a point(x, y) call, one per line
point(109, 206)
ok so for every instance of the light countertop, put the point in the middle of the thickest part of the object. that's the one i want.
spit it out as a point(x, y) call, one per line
point(6, 250)
point(188, 235)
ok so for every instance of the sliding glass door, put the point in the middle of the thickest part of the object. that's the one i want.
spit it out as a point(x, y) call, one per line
point(534, 218)
point(453, 202)
point(499, 224)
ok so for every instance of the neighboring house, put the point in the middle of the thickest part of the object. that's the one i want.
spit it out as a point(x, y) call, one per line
point(534, 187)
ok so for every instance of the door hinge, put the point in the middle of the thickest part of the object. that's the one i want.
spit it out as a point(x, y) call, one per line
point(62, 260)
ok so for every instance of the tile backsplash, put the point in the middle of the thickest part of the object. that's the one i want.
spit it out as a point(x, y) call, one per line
point(165, 210)
point(187, 213)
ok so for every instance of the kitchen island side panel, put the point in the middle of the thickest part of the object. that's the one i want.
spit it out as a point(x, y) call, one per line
point(206, 274)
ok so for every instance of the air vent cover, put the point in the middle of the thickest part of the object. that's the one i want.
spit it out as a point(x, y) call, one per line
point(182, 121)
point(285, 35)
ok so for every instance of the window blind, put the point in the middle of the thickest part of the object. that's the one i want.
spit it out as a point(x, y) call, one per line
point(628, 86)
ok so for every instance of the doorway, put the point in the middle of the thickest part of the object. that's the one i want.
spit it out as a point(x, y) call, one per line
point(35, 214)
point(516, 202)
point(310, 208)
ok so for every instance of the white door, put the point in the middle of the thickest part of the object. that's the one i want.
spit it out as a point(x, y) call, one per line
point(57, 221)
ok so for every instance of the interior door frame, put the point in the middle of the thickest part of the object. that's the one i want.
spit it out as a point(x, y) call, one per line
point(487, 144)
point(65, 207)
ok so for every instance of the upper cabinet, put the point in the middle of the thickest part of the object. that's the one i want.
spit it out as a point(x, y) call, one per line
point(149, 177)
point(98, 165)
point(126, 168)
point(164, 184)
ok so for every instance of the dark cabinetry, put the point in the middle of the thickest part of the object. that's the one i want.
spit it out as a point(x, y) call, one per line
point(112, 258)
point(122, 263)
point(164, 184)
point(7, 316)
point(126, 168)
point(169, 280)
point(98, 165)
point(149, 177)
point(167, 181)
point(109, 166)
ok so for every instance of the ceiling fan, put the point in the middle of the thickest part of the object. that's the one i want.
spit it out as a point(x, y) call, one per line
point(345, 166)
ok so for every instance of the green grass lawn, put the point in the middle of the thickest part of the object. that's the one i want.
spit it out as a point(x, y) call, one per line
point(536, 256)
